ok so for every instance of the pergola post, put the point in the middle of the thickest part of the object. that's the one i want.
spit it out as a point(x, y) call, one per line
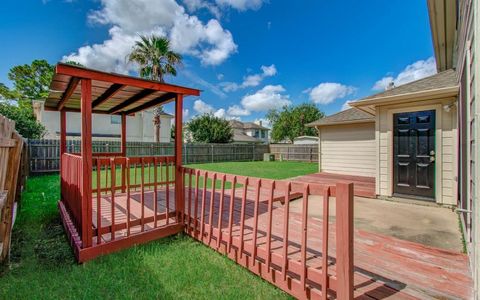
point(179, 190)
point(86, 152)
point(63, 134)
point(124, 148)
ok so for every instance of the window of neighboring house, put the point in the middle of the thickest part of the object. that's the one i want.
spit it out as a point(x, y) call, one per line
point(262, 134)
point(115, 119)
point(256, 133)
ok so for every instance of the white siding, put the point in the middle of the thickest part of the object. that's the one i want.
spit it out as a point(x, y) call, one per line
point(468, 68)
point(348, 149)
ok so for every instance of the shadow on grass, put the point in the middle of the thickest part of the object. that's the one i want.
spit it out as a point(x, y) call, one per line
point(51, 247)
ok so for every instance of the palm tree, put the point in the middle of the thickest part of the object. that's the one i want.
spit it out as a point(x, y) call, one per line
point(155, 59)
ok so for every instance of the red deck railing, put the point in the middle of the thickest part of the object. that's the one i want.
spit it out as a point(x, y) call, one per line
point(264, 225)
point(244, 218)
point(71, 170)
point(132, 201)
point(122, 183)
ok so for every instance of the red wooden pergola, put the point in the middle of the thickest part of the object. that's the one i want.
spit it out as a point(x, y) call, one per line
point(87, 91)
point(110, 201)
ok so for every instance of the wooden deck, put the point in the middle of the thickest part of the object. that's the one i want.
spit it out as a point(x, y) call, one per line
point(385, 267)
point(363, 186)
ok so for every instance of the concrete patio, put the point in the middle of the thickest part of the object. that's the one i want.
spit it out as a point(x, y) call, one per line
point(424, 224)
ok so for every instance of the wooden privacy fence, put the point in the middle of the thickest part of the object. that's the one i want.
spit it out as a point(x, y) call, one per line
point(45, 154)
point(13, 171)
point(295, 152)
point(251, 221)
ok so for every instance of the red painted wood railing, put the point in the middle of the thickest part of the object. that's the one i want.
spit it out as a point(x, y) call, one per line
point(244, 218)
point(131, 195)
point(71, 170)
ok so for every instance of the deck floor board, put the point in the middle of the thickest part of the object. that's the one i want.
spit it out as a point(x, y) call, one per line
point(385, 267)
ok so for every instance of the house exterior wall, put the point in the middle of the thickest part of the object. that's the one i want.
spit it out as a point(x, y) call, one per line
point(445, 144)
point(140, 127)
point(348, 149)
point(262, 134)
point(468, 69)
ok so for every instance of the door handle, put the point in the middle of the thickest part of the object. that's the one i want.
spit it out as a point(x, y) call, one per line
point(432, 156)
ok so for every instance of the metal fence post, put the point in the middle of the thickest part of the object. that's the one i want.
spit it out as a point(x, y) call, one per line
point(185, 153)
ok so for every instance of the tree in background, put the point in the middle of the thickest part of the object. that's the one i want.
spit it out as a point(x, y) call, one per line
point(289, 122)
point(155, 59)
point(30, 82)
point(22, 113)
point(209, 129)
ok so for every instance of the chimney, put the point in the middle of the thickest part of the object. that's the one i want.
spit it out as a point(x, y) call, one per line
point(260, 122)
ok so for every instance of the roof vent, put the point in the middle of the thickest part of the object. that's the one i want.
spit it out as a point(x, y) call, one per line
point(390, 86)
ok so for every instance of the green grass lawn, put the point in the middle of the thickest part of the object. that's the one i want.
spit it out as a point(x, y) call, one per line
point(271, 170)
point(263, 169)
point(42, 264)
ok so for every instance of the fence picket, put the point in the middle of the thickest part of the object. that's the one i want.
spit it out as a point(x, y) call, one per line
point(45, 154)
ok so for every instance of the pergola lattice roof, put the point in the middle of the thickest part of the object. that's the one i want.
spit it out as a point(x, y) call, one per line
point(111, 93)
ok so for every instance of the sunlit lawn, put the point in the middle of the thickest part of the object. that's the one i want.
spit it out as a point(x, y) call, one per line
point(271, 170)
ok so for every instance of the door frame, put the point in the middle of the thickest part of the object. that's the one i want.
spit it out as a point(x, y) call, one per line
point(438, 146)
point(431, 172)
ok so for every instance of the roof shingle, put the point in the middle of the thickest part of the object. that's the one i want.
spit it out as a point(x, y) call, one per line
point(351, 115)
point(440, 80)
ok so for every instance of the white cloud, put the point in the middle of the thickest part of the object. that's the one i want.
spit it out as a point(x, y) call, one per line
point(269, 70)
point(250, 80)
point(194, 5)
point(202, 107)
point(214, 6)
point(269, 97)
point(241, 4)
point(327, 92)
point(415, 71)
point(220, 113)
point(346, 105)
point(220, 76)
point(137, 16)
point(210, 42)
point(236, 110)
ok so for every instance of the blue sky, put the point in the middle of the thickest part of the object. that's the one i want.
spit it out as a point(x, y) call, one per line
point(247, 56)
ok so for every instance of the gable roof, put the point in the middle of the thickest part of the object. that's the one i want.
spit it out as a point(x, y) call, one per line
point(443, 85)
point(348, 116)
point(440, 80)
point(246, 125)
point(241, 137)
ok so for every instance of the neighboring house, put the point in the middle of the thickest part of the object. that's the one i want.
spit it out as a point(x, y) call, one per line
point(140, 127)
point(249, 132)
point(420, 140)
point(305, 140)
